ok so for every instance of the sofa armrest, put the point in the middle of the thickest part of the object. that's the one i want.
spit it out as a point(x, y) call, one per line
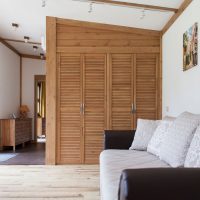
point(115, 139)
point(157, 184)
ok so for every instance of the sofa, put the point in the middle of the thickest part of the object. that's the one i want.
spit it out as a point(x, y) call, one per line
point(139, 175)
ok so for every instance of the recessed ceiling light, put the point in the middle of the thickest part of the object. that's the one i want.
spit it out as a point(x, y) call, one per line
point(35, 48)
point(26, 39)
point(42, 56)
point(15, 26)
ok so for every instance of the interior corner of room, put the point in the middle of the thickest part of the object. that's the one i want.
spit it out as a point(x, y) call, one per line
point(78, 74)
point(18, 91)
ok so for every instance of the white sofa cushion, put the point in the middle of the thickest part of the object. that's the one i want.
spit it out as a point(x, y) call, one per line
point(178, 138)
point(113, 162)
point(193, 155)
point(158, 136)
point(143, 134)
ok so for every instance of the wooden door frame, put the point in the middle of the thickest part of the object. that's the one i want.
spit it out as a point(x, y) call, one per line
point(37, 78)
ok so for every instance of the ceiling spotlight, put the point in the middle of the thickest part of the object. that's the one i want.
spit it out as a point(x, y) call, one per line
point(90, 7)
point(35, 48)
point(43, 3)
point(42, 56)
point(143, 15)
point(15, 26)
point(26, 39)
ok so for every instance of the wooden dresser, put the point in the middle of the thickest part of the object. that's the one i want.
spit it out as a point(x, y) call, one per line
point(15, 131)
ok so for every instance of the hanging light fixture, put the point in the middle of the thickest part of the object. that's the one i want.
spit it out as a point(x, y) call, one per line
point(90, 7)
point(43, 3)
point(143, 15)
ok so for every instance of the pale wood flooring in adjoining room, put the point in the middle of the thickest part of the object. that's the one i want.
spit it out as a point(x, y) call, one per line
point(80, 182)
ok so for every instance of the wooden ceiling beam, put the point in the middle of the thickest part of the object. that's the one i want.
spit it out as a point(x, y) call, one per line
point(32, 57)
point(182, 8)
point(136, 5)
point(9, 46)
point(21, 41)
point(3, 41)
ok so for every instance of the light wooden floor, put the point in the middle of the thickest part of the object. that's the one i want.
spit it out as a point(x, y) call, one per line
point(49, 182)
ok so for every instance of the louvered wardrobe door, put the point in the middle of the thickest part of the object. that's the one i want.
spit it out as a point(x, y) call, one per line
point(121, 91)
point(146, 86)
point(70, 134)
point(94, 105)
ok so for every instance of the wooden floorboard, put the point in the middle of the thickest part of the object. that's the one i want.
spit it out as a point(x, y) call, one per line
point(80, 182)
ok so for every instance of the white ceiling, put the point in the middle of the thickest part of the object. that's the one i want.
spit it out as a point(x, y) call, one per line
point(30, 15)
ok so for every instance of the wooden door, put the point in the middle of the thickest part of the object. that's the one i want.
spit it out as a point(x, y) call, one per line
point(70, 143)
point(146, 84)
point(121, 91)
point(94, 105)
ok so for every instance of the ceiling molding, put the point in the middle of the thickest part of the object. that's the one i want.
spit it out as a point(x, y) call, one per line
point(20, 41)
point(182, 8)
point(136, 5)
point(94, 25)
point(9, 46)
point(32, 57)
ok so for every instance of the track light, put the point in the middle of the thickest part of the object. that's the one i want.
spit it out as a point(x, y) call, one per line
point(15, 26)
point(143, 15)
point(90, 7)
point(43, 3)
point(26, 39)
point(35, 48)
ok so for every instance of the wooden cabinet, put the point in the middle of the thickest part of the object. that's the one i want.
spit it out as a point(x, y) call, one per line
point(95, 95)
point(15, 131)
point(121, 91)
point(94, 105)
point(98, 77)
point(82, 107)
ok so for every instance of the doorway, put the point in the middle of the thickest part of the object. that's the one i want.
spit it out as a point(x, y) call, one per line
point(40, 109)
point(31, 152)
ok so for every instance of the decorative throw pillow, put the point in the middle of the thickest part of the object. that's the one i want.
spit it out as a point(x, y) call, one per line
point(193, 155)
point(178, 138)
point(144, 132)
point(157, 138)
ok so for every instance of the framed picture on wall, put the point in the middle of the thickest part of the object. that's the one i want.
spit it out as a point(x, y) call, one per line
point(190, 47)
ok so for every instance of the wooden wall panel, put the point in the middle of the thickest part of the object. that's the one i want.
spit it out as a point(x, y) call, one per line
point(94, 37)
point(94, 105)
point(146, 86)
point(121, 91)
point(51, 90)
point(70, 146)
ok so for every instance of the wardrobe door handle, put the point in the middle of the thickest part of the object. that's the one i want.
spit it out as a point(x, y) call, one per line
point(133, 109)
point(83, 109)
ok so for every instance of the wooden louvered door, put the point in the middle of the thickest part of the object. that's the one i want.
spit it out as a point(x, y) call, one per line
point(146, 84)
point(70, 141)
point(121, 91)
point(94, 105)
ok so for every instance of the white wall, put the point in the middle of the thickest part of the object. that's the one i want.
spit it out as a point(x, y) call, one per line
point(9, 82)
point(181, 90)
point(30, 68)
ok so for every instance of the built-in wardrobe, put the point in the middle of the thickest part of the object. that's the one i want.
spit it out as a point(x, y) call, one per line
point(100, 77)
